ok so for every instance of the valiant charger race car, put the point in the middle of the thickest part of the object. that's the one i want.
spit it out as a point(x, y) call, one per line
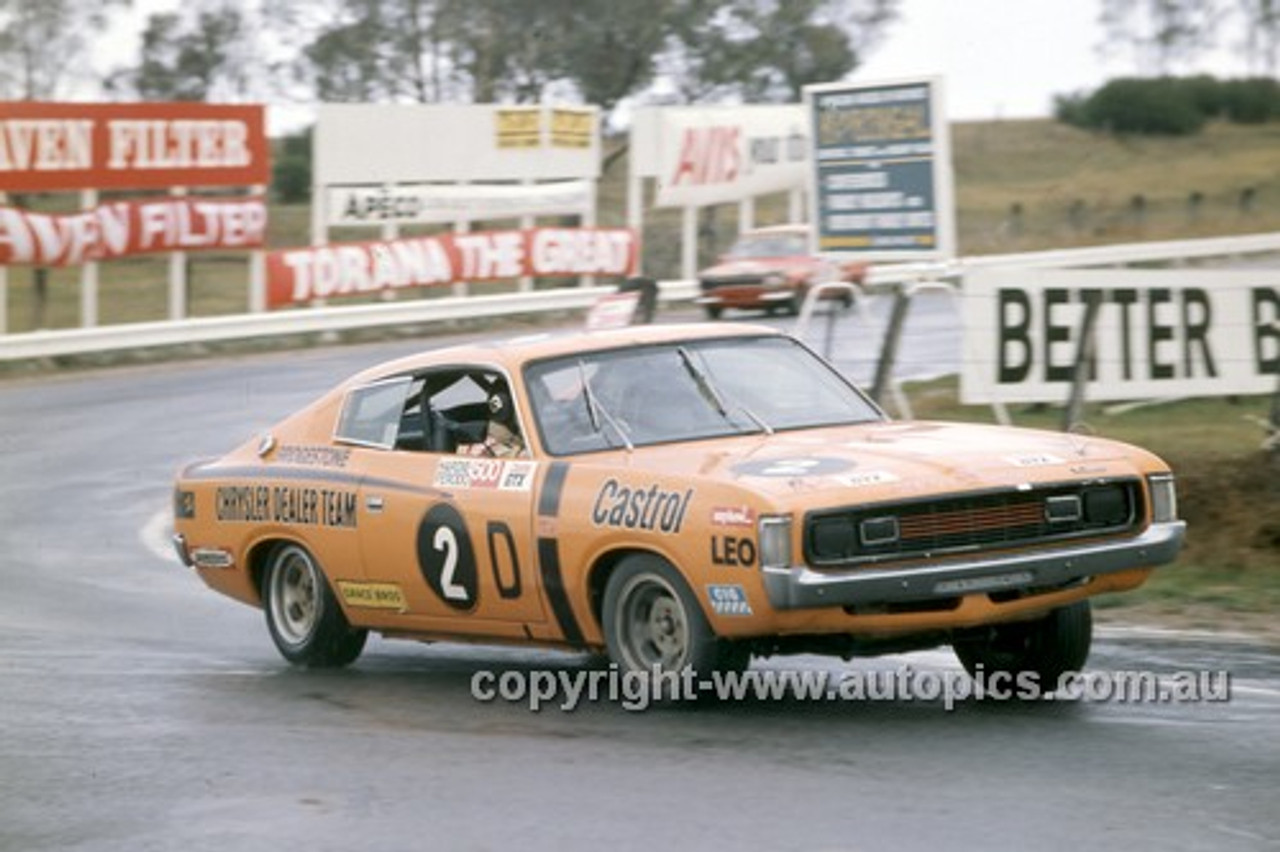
point(676, 496)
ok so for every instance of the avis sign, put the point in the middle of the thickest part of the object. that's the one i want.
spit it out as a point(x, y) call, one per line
point(1158, 334)
point(719, 155)
point(66, 146)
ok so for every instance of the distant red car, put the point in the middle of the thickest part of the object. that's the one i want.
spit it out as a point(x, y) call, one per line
point(771, 269)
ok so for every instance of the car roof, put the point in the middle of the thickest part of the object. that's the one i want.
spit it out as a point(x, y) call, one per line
point(512, 353)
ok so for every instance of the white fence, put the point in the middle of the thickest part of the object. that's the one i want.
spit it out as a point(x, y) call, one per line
point(45, 344)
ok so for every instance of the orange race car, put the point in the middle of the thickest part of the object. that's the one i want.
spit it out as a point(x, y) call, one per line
point(680, 496)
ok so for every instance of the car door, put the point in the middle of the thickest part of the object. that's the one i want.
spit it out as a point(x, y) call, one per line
point(452, 533)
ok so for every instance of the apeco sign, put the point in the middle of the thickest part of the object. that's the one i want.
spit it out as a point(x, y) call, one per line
point(64, 146)
point(1158, 333)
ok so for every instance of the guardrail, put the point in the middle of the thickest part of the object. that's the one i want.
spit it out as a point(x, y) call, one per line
point(47, 344)
point(1075, 258)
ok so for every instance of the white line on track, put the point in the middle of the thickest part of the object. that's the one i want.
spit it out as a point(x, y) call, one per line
point(155, 535)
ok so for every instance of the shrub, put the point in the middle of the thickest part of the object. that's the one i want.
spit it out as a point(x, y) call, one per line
point(1174, 106)
point(1150, 106)
point(1252, 100)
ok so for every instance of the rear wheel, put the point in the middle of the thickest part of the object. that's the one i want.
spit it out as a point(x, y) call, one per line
point(1048, 647)
point(713, 311)
point(652, 622)
point(303, 615)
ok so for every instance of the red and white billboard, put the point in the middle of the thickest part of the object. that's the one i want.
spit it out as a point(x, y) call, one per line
point(69, 146)
point(123, 228)
point(720, 155)
point(304, 274)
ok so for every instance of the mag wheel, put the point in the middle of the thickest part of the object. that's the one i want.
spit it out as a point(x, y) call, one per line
point(652, 622)
point(1048, 647)
point(303, 616)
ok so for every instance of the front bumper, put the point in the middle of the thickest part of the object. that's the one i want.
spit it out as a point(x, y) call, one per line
point(745, 295)
point(799, 587)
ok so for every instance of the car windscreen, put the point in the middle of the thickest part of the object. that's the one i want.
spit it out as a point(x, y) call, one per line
point(769, 245)
point(687, 391)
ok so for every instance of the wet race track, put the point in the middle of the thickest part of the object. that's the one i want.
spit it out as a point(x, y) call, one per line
point(140, 711)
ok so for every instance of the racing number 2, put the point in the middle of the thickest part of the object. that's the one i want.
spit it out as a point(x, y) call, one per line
point(446, 542)
point(447, 559)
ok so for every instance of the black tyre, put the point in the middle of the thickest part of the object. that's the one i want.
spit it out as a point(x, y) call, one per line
point(1048, 647)
point(303, 615)
point(713, 311)
point(651, 620)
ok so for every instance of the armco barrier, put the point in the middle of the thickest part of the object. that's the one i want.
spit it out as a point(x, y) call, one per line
point(45, 344)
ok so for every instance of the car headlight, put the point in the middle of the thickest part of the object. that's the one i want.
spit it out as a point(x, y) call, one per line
point(775, 541)
point(1164, 498)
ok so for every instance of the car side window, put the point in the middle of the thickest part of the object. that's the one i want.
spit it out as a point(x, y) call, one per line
point(371, 414)
point(461, 410)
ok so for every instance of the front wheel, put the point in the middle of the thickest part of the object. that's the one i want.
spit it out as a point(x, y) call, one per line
point(653, 623)
point(1048, 647)
point(303, 615)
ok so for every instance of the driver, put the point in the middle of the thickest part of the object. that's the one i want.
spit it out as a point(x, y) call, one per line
point(502, 435)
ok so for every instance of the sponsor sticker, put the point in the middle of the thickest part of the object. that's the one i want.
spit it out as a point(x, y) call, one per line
point(733, 516)
point(373, 595)
point(313, 456)
point(1034, 460)
point(729, 600)
point(184, 504)
point(639, 507)
point(865, 478)
point(485, 474)
point(284, 504)
point(517, 476)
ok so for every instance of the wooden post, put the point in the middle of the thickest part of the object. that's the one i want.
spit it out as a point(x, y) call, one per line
point(1084, 362)
point(258, 267)
point(89, 272)
point(178, 282)
point(4, 286)
point(889, 349)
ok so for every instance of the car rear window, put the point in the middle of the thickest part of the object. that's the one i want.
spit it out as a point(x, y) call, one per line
point(371, 414)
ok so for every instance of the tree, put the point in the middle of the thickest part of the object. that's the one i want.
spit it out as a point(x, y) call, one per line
point(600, 51)
point(1262, 34)
point(1163, 33)
point(37, 36)
point(204, 60)
point(769, 51)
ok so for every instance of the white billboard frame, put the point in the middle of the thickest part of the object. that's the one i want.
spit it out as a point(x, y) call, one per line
point(1158, 334)
point(466, 151)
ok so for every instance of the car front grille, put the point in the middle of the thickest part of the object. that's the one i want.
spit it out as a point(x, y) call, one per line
point(993, 520)
point(709, 284)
